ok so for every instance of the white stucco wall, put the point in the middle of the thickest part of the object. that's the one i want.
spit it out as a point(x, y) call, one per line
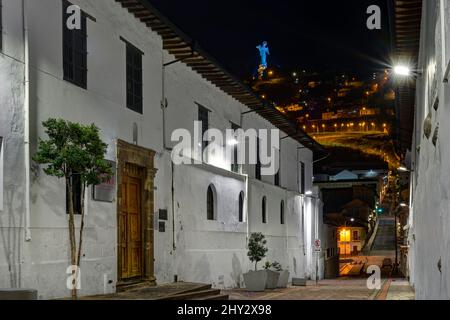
point(429, 219)
point(12, 131)
point(196, 249)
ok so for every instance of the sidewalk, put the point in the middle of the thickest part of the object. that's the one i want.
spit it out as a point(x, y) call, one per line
point(396, 289)
point(333, 289)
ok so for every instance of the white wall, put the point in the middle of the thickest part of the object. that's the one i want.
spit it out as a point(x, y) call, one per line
point(12, 130)
point(429, 219)
point(196, 249)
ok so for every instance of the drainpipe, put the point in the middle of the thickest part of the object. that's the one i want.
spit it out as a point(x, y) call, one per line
point(163, 101)
point(247, 187)
point(26, 106)
point(174, 245)
point(246, 201)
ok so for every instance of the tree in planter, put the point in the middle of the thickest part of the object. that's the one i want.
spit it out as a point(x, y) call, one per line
point(257, 248)
point(73, 150)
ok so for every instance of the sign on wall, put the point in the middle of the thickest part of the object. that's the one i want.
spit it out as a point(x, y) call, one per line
point(106, 191)
point(317, 245)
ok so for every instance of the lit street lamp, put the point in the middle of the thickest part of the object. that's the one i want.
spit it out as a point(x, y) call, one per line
point(402, 70)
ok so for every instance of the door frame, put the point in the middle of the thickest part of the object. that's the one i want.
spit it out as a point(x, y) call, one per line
point(144, 158)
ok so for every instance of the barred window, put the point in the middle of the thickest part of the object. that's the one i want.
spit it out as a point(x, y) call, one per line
point(134, 79)
point(203, 116)
point(75, 180)
point(264, 210)
point(74, 50)
point(210, 203)
point(241, 206)
point(258, 161)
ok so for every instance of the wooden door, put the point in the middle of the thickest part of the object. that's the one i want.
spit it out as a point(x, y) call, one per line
point(130, 230)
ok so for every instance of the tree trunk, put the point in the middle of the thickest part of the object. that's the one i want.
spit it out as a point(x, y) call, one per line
point(72, 239)
point(80, 240)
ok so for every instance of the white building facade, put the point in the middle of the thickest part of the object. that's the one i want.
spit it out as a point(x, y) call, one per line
point(428, 236)
point(176, 240)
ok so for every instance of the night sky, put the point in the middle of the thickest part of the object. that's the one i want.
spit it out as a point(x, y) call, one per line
point(321, 35)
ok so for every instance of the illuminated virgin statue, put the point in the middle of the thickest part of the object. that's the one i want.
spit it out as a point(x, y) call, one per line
point(263, 52)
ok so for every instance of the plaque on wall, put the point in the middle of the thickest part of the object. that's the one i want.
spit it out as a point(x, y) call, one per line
point(106, 191)
point(162, 214)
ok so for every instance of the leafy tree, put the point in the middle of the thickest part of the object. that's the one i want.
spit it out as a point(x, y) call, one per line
point(257, 248)
point(74, 149)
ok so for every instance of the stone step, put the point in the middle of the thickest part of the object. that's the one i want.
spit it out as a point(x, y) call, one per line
point(216, 297)
point(132, 286)
point(193, 295)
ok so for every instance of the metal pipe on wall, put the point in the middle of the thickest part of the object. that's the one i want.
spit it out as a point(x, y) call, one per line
point(26, 136)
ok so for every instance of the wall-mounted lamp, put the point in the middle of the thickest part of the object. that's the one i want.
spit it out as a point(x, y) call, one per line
point(403, 168)
point(402, 70)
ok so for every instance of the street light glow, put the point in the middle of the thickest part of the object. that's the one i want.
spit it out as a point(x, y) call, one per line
point(403, 169)
point(404, 205)
point(308, 193)
point(402, 70)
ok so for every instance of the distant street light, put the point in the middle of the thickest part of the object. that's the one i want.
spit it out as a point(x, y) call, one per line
point(403, 169)
point(403, 205)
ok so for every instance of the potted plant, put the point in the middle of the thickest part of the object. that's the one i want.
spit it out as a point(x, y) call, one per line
point(272, 276)
point(256, 280)
point(284, 275)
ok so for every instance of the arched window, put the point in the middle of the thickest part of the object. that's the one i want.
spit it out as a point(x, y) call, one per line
point(282, 212)
point(210, 203)
point(241, 206)
point(264, 209)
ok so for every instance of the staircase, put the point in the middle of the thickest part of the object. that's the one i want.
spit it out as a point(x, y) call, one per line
point(385, 237)
point(203, 292)
point(169, 291)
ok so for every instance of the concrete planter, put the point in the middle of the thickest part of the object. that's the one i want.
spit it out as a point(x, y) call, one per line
point(272, 279)
point(283, 279)
point(255, 280)
point(299, 282)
